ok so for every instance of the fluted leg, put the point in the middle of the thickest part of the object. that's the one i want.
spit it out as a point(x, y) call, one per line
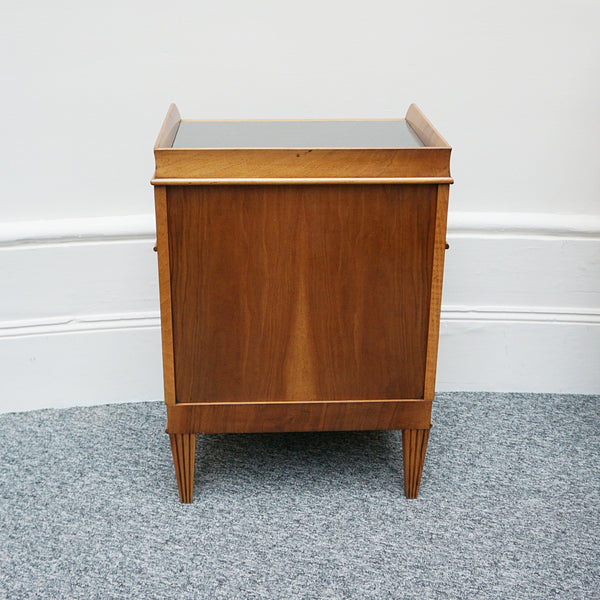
point(414, 446)
point(183, 446)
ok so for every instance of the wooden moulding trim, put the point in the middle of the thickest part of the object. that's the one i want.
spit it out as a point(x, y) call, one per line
point(301, 180)
point(270, 417)
point(424, 128)
point(435, 303)
point(169, 128)
point(162, 246)
point(243, 163)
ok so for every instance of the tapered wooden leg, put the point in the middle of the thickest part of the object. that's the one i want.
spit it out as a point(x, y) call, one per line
point(414, 446)
point(183, 446)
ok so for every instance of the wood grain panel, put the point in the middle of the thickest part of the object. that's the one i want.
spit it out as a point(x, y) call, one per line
point(368, 270)
point(267, 417)
point(287, 293)
point(233, 262)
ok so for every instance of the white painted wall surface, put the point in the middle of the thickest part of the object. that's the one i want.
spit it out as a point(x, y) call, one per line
point(514, 86)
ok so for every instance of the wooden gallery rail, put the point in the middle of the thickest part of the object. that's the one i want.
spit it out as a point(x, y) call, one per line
point(300, 268)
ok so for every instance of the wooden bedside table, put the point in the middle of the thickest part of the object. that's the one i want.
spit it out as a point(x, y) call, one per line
point(300, 267)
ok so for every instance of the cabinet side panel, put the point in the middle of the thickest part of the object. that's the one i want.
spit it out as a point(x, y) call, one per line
point(291, 293)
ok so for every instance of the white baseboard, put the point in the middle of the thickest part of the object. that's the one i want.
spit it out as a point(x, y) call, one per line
point(79, 320)
point(519, 356)
point(81, 368)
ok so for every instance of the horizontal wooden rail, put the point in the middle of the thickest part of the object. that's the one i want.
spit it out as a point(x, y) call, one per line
point(301, 180)
point(329, 415)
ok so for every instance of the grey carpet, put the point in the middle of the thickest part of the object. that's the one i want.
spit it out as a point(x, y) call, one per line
point(508, 507)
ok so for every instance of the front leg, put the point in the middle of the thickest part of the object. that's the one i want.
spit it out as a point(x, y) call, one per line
point(183, 446)
point(414, 446)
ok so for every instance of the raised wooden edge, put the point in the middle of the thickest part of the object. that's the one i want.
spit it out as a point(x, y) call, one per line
point(271, 417)
point(169, 128)
point(164, 281)
point(301, 180)
point(435, 303)
point(242, 163)
point(424, 128)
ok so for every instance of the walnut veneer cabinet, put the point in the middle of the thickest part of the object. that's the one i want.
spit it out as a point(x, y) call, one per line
point(300, 267)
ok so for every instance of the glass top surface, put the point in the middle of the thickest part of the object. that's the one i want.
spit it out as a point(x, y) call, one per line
point(296, 134)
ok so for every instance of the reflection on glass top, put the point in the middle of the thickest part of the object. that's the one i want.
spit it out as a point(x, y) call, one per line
point(296, 134)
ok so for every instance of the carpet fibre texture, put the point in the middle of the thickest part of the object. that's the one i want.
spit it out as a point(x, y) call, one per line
point(508, 508)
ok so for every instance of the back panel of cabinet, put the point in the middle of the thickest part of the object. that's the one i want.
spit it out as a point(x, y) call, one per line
point(300, 292)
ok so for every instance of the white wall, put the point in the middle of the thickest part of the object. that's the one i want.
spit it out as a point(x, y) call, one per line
point(514, 86)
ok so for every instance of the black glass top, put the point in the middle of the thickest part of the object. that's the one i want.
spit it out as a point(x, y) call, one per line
point(296, 134)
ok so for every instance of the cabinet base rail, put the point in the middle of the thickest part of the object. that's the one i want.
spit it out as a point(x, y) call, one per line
point(272, 417)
